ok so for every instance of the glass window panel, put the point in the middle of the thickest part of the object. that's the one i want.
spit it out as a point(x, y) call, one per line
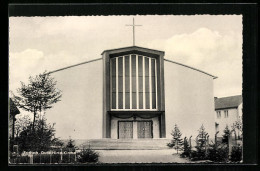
point(120, 100)
point(147, 84)
point(113, 66)
point(133, 61)
point(147, 100)
point(133, 84)
point(153, 85)
point(127, 84)
point(153, 100)
point(140, 65)
point(146, 66)
point(127, 100)
point(127, 78)
point(127, 66)
point(120, 66)
point(141, 100)
point(120, 84)
point(113, 81)
point(113, 100)
point(133, 65)
point(140, 73)
point(113, 72)
point(140, 84)
point(120, 74)
point(134, 100)
point(153, 67)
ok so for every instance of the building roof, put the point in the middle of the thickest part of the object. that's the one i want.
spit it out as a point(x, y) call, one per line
point(133, 48)
point(228, 102)
point(214, 77)
point(13, 109)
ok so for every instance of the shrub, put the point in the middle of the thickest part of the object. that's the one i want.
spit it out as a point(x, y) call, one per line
point(236, 154)
point(88, 155)
point(176, 141)
point(199, 154)
point(218, 154)
point(186, 149)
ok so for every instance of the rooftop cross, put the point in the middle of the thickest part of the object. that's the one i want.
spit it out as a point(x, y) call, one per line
point(133, 30)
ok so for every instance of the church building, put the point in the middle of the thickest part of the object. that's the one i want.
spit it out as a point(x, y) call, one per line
point(132, 93)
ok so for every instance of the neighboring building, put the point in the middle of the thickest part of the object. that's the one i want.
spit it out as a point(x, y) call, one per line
point(132, 93)
point(13, 112)
point(228, 112)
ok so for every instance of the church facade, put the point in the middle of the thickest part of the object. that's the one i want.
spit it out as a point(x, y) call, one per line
point(132, 93)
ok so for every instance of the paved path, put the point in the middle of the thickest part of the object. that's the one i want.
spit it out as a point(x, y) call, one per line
point(140, 156)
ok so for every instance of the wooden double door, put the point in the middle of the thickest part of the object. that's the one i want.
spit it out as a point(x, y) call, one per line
point(125, 129)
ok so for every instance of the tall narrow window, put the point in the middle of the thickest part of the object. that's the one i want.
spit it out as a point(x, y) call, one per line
point(147, 85)
point(120, 83)
point(113, 81)
point(127, 83)
point(153, 82)
point(133, 68)
point(133, 83)
point(140, 81)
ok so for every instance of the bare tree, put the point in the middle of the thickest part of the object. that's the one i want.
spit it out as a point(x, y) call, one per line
point(38, 95)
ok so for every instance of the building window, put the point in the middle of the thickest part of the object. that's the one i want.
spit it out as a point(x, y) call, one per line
point(133, 83)
point(226, 113)
point(218, 114)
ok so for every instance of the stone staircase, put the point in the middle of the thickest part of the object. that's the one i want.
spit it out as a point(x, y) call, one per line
point(124, 144)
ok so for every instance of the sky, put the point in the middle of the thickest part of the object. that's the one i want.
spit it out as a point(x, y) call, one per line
point(212, 43)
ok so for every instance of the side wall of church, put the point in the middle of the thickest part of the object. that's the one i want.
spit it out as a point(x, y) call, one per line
point(189, 100)
point(79, 113)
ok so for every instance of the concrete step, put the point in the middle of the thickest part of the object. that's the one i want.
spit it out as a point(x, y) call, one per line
point(125, 144)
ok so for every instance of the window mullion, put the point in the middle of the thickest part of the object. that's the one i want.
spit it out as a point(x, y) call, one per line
point(116, 82)
point(130, 79)
point(150, 82)
point(137, 83)
point(123, 82)
point(144, 105)
point(155, 68)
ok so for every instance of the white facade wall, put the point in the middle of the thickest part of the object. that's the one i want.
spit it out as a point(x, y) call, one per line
point(189, 100)
point(114, 126)
point(79, 113)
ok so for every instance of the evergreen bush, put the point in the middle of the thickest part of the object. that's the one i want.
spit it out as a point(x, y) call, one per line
point(88, 156)
point(218, 154)
point(176, 141)
point(186, 148)
point(200, 152)
point(236, 154)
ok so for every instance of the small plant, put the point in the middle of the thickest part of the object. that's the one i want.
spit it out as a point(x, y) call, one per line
point(70, 145)
point(236, 154)
point(87, 156)
point(217, 154)
point(200, 152)
point(176, 141)
point(186, 148)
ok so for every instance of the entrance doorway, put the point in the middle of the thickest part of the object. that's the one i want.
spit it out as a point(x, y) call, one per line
point(135, 129)
point(125, 129)
point(144, 129)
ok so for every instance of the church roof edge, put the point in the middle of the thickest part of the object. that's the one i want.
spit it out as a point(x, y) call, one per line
point(214, 77)
point(133, 48)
